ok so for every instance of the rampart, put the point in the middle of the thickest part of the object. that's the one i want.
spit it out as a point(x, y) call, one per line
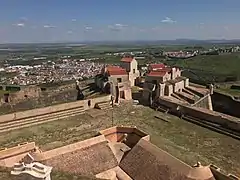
point(117, 133)
point(9, 156)
point(86, 104)
point(226, 104)
point(69, 148)
point(219, 175)
point(200, 113)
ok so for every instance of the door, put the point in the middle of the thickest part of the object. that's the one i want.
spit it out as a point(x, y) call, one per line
point(122, 95)
point(117, 94)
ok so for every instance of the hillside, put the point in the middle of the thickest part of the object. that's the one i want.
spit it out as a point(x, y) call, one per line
point(213, 68)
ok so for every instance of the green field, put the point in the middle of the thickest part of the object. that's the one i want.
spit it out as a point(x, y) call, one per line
point(211, 68)
point(186, 141)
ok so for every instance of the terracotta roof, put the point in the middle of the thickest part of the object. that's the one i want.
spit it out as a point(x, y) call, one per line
point(157, 73)
point(127, 59)
point(115, 70)
point(157, 66)
point(147, 162)
point(88, 161)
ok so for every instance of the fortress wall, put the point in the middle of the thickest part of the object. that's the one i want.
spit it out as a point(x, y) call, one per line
point(212, 116)
point(115, 134)
point(70, 148)
point(226, 104)
point(54, 108)
point(12, 155)
point(9, 162)
point(17, 150)
point(204, 102)
point(220, 175)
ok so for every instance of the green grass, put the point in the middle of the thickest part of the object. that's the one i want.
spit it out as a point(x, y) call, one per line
point(186, 141)
point(228, 91)
point(219, 64)
point(55, 175)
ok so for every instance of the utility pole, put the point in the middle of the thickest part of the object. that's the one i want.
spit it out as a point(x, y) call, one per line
point(112, 100)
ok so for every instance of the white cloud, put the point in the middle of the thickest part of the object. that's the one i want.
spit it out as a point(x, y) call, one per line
point(20, 24)
point(168, 20)
point(70, 32)
point(48, 26)
point(73, 20)
point(120, 25)
point(117, 27)
point(88, 28)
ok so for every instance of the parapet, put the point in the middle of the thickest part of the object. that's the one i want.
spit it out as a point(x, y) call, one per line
point(19, 149)
point(127, 135)
point(218, 174)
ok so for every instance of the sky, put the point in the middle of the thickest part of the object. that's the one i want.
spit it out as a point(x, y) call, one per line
point(30, 21)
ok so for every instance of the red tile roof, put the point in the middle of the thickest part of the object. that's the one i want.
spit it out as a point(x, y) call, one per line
point(157, 66)
point(127, 59)
point(157, 73)
point(115, 70)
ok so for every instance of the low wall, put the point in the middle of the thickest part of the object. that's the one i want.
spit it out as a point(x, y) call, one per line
point(225, 104)
point(69, 148)
point(115, 134)
point(55, 108)
point(221, 176)
point(12, 155)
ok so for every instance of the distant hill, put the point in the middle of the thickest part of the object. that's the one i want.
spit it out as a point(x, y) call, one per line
point(135, 42)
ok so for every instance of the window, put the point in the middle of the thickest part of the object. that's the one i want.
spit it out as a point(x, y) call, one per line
point(89, 103)
point(119, 80)
point(134, 71)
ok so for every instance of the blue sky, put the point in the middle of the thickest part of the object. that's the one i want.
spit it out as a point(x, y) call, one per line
point(90, 20)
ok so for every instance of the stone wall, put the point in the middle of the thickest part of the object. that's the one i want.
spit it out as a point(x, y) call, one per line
point(220, 175)
point(225, 104)
point(115, 134)
point(69, 148)
point(178, 86)
point(12, 155)
point(204, 102)
point(201, 113)
point(55, 108)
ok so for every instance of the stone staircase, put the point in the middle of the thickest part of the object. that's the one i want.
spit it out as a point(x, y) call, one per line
point(187, 97)
point(188, 92)
point(30, 121)
point(194, 91)
point(179, 98)
point(104, 105)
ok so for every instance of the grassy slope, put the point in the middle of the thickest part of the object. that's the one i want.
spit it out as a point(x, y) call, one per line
point(220, 64)
point(182, 139)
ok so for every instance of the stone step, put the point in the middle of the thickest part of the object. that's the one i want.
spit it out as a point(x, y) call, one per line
point(189, 92)
point(178, 97)
point(49, 115)
point(38, 121)
point(104, 105)
point(187, 97)
point(195, 91)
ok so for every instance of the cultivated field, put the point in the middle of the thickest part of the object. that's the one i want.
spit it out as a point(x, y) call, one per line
point(182, 139)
